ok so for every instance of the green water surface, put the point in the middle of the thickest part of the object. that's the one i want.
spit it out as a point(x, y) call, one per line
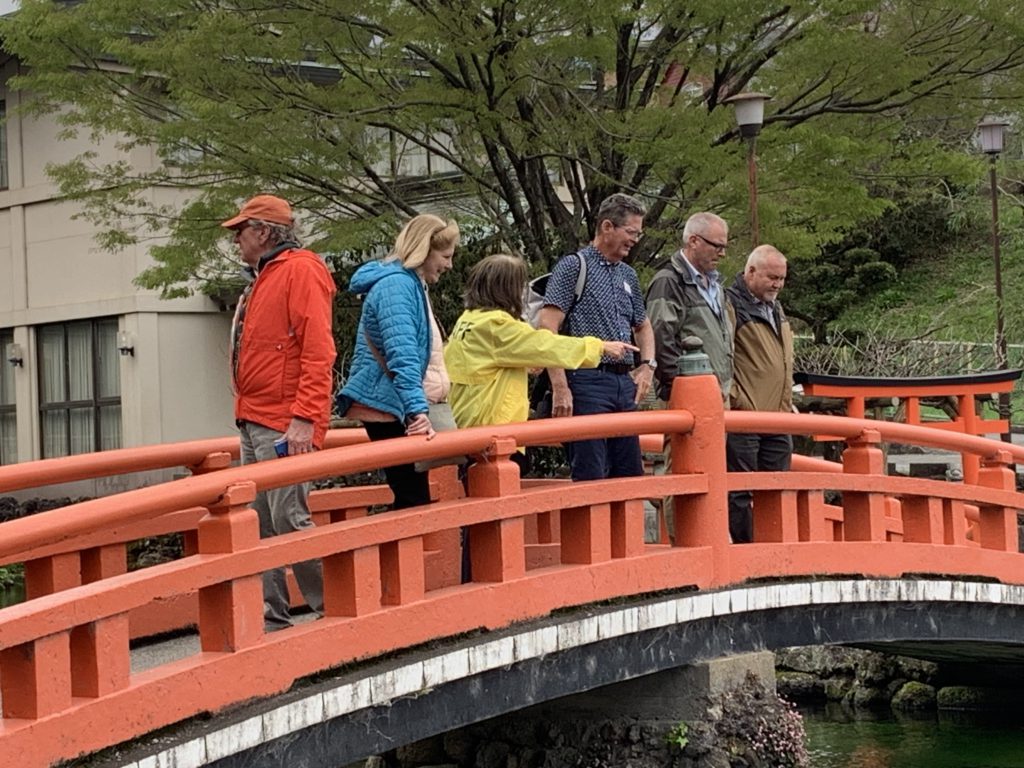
point(945, 740)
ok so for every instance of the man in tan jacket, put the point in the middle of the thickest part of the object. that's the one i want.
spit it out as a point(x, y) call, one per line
point(762, 375)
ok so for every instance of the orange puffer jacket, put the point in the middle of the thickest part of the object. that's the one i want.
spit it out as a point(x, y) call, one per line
point(286, 352)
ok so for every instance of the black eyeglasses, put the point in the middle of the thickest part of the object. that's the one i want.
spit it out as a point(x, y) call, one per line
point(636, 234)
point(720, 247)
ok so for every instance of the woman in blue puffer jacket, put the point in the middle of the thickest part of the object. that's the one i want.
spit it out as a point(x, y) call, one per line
point(398, 364)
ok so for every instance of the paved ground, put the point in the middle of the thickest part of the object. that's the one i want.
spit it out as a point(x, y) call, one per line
point(918, 464)
point(164, 652)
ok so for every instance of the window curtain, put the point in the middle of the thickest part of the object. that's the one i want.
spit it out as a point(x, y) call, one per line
point(80, 370)
point(80, 379)
point(53, 389)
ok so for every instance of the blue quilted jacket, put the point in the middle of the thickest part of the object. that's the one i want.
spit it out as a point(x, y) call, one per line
point(396, 319)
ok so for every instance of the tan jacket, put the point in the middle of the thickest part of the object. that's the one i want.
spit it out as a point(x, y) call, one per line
point(763, 362)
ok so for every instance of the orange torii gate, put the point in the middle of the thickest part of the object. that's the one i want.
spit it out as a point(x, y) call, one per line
point(857, 390)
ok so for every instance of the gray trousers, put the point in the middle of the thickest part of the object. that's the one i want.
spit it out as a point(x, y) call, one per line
point(281, 510)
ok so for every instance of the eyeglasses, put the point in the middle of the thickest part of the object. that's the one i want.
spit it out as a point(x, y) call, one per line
point(636, 234)
point(720, 247)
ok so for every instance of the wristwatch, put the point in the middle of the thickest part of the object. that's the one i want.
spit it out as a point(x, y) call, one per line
point(652, 364)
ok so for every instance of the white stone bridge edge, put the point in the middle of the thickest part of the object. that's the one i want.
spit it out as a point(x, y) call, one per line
point(382, 688)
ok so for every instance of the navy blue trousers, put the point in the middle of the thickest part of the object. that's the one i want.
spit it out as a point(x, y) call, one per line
point(596, 391)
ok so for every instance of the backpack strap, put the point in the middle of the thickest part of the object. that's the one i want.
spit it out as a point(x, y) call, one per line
point(581, 279)
point(581, 284)
point(377, 355)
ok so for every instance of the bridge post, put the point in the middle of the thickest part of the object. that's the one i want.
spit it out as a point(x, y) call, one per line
point(352, 585)
point(36, 677)
point(212, 462)
point(702, 520)
point(998, 524)
point(100, 661)
point(231, 613)
point(54, 573)
point(497, 549)
point(923, 520)
point(864, 512)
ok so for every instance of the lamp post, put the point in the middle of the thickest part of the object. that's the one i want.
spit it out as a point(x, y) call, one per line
point(750, 118)
point(991, 132)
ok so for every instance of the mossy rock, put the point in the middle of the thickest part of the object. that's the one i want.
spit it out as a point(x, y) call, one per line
point(971, 697)
point(875, 670)
point(914, 696)
point(836, 688)
point(821, 660)
point(865, 696)
point(799, 687)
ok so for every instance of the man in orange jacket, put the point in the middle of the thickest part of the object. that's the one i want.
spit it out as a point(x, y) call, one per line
point(282, 357)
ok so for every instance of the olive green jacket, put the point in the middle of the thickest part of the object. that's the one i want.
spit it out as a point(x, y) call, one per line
point(677, 310)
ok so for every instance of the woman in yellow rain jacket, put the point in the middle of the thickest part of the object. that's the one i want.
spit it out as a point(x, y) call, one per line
point(491, 348)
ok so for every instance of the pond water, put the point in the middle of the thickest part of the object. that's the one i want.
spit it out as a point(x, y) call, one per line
point(839, 739)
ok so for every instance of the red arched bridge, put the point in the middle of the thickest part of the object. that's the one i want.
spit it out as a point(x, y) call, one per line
point(895, 559)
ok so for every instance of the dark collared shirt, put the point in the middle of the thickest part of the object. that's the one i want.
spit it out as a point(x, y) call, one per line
point(611, 305)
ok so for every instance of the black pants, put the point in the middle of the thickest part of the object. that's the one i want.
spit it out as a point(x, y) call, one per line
point(752, 453)
point(411, 488)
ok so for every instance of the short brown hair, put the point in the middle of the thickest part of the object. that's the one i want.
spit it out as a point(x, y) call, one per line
point(618, 208)
point(497, 282)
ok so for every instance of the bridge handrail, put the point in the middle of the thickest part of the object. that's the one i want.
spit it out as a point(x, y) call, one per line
point(56, 525)
point(89, 602)
point(890, 485)
point(29, 533)
point(119, 461)
point(753, 422)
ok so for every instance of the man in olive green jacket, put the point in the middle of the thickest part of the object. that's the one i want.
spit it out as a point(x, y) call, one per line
point(686, 298)
point(762, 378)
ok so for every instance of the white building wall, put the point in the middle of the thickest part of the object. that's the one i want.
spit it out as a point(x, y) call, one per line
point(176, 386)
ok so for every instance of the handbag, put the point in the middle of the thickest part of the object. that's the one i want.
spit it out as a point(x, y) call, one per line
point(440, 415)
point(443, 420)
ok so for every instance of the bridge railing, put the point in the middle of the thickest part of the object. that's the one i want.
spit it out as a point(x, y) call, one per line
point(67, 562)
point(64, 657)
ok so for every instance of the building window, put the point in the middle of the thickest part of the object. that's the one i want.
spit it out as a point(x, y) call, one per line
point(402, 158)
point(79, 387)
point(8, 415)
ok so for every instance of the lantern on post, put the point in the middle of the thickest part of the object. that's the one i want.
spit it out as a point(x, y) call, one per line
point(750, 118)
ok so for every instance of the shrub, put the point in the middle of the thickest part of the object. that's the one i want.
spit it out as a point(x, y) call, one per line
point(758, 724)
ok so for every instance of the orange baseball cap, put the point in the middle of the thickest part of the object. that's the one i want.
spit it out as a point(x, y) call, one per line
point(265, 208)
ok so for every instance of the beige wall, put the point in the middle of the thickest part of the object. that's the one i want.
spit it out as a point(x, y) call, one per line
point(176, 385)
point(193, 366)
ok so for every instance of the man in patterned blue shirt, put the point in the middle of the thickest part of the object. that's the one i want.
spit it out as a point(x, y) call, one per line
point(611, 307)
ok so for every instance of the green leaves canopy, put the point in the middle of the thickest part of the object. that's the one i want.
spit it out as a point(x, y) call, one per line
point(531, 112)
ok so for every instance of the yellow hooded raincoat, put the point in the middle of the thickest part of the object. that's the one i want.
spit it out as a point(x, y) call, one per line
point(487, 357)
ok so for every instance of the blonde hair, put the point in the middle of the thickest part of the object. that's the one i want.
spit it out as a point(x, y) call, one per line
point(421, 235)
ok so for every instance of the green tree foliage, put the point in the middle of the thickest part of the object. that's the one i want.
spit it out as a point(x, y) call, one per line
point(867, 262)
point(534, 109)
